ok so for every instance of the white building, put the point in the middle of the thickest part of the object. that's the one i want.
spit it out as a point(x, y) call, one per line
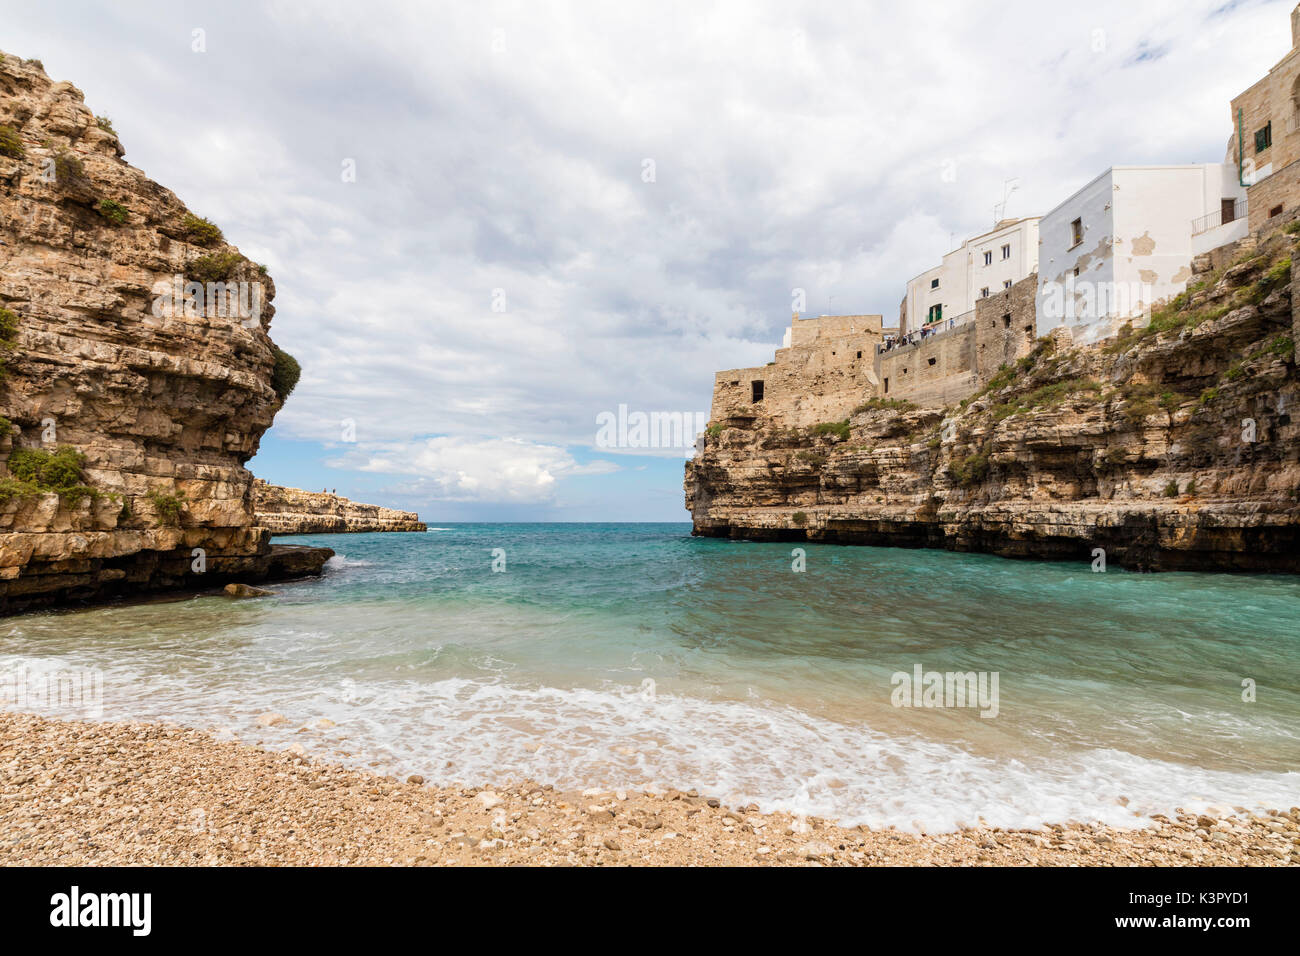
point(1124, 242)
point(977, 268)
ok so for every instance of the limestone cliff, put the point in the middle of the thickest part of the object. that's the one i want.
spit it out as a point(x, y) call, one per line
point(127, 422)
point(1174, 446)
point(294, 511)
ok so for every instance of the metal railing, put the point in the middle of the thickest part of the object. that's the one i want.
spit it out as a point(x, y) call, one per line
point(1216, 219)
point(926, 333)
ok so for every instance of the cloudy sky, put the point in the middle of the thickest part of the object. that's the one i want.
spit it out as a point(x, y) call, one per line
point(558, 208)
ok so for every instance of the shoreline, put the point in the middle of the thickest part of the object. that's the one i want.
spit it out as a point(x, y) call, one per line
point(83, 793)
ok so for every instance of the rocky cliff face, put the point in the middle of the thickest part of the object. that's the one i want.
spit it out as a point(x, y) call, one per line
point(1171, 447)
point(126, 423)
point(293, 511)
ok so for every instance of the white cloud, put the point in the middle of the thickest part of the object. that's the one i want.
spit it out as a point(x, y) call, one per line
point(485, 470)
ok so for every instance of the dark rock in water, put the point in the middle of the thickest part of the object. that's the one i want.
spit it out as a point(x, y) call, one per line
point(247, 591)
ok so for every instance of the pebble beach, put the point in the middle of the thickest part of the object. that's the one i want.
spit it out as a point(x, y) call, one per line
point(78, 793)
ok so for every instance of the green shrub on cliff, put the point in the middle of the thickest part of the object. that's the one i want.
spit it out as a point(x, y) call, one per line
point(1144, 400)
point(1171, 489)
point(799, 519)
point(169, 507)
point(714, 430)
point(40, 471)
point(1283, 346)
point(970, 469)
point(885, 404)
point(11, 144)
point(217, 267)
point(69, 172)
point(285, 375)
point(1274, 278)
point(839, 430)
point(200, 231)
point(106, 124)
point(114, 212)
point(8, 336)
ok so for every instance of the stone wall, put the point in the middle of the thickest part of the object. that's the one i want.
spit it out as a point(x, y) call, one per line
point(1004, 328)
point(294, 511)
point(1272, 101)
point(1269, 200)
point(937, 371)
point(824, 374)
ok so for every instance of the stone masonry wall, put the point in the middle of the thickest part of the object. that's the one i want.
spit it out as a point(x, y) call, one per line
point(1005, 326)
point(935, 372)
point(824, 374)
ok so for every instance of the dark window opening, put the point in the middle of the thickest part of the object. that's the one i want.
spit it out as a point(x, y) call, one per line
point(1029, 329)
point(859, 355)
point(934, 283)
point(1275, 211)
point(756, 389)
point(1006, 321)
point(1264, 137)
point(886, 386)
point(931, 361)
point(1076, 232)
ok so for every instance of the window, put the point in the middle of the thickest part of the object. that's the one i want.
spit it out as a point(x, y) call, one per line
point(1264, 137)
point(859, 355)
point(886, 386)
point(756, 389)
point(1006, 251)
point(931, 361)
point(1076, 232)
point(1006, 321)
point(1006, 283)
point(984, 292)
point(1076, 272)
point(988, 258)
point(934, 283)
point(1275, 211)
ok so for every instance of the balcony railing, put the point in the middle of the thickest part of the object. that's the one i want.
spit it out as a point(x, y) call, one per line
point(1293, 121)
point(1217, 218)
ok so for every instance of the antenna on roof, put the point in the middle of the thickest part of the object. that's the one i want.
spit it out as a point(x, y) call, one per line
point(1000, 210)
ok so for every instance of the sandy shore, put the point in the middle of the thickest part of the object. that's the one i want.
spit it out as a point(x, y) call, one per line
point(80, 793)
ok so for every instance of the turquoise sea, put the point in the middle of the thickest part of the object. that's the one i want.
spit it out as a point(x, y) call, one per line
point(633, 655)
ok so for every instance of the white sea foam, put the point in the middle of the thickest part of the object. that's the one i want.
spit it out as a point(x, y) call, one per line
point(490, 731)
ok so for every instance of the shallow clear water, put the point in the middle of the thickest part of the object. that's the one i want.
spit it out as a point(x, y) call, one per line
point(635, 655)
